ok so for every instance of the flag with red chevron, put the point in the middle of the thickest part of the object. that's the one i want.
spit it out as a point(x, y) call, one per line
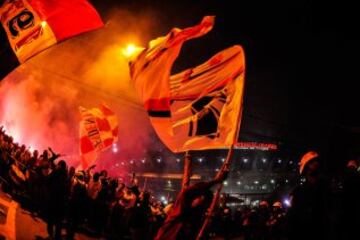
point(98, 131)
point(28, 27)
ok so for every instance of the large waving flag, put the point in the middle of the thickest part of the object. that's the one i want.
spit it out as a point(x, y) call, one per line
point(98, 131)
point(198, 108)
point(28, 27)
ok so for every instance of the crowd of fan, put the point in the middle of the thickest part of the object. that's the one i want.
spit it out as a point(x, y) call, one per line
point(87, 199)
point(104, 206)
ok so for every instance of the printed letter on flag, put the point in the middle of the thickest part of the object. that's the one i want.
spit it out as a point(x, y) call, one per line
point(98, 131)
point(28, 27)
point(198, 108)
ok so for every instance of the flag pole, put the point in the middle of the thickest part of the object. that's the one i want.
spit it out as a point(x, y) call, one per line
point(225, 166)
point(187, 170)
point(145, 182)
point(215, 199)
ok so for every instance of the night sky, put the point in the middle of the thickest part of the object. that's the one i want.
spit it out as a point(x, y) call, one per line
point(302, 61)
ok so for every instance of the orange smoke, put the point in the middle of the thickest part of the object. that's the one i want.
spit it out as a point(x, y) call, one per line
point(40, 100)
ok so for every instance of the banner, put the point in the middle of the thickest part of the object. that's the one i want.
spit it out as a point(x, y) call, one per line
point(98, 131)
point(28, 27)
point(198, 108)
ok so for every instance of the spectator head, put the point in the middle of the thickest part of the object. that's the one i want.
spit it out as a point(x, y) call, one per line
point(203, 200)
point(227, 210)
point(36, 154)
point(352, 164)
point(128, 198)
point(45, 154)
point(96, 177)
point(135, 182)
point(22, 148)
point(71, 171)
point(277, 205)
point(264, 204)
point(309, 163)
point(104, 173)
point(113, 183)
point(121, 186)
point(144, 196)
point(80, 176)
point(61, 165)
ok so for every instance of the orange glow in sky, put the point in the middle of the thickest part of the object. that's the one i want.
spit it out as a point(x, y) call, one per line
point(130, 50)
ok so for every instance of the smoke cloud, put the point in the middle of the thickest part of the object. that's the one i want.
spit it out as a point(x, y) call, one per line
point(40, 100)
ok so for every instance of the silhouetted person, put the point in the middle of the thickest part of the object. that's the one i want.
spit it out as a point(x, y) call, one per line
point(76, 204)
point(276, 222)
point(141, 213)
point(56, 205)
point(308, 214)
point(186, 218)
point(263, 217)
point(351, 201)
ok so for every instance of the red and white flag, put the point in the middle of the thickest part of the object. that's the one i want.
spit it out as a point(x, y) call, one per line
point(98, 131)
point(28, 27)
point(198, 108)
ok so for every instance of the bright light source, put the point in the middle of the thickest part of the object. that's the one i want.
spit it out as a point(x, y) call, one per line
point(200, 159)
point(31, 149)
point(216, 170)
point(178, 159)
point(279, 161)
point(256, 182)
point(122, 163)
point(264, 160)
point(169, 182)
point(223, 159)
point(163, 198)
point(225, 183)
point(272, 181)
point(130, 50)
point(238, 183)
point(286, 180)
point(165, 202)
point(143, 160)
point(158, 160)
point(245, 160)
point(115, 148)
point(287, 202)
point(132, 162)
point(43, 24)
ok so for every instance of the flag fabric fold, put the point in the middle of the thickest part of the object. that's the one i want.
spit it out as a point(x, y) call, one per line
point(28, 27)
point(198, 108)
point(98, 131)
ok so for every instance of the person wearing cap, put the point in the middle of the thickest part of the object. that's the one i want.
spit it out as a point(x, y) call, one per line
point(276, 222)
point(350, 200)
point(263, 217)
point(307, 216)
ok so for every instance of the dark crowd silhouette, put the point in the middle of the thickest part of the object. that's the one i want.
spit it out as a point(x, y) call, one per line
point(105, 207)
